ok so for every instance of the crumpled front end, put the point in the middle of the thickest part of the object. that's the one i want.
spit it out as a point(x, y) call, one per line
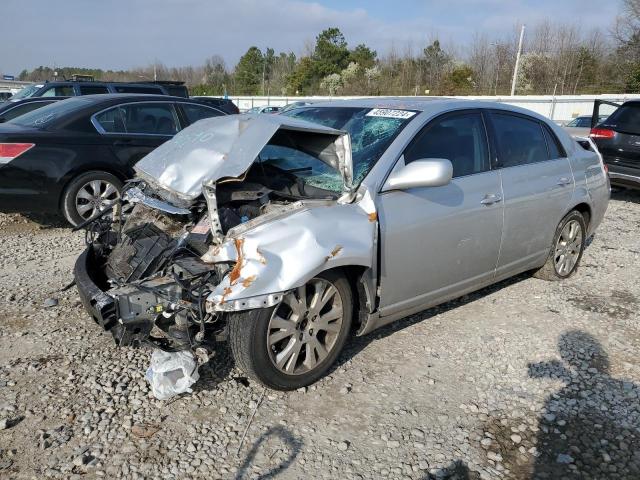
point(167, 273)
point(284, 254)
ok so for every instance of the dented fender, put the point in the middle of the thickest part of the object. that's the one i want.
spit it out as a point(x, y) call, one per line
point(287, 252)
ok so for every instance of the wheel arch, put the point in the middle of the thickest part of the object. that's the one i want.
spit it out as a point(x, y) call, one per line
point(361, 292)
point(76, 173)
point(585, 209)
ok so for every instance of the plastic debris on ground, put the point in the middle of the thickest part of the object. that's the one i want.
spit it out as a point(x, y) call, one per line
point(171, 373)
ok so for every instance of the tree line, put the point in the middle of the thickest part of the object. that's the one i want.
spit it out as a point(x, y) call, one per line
point(557, 59)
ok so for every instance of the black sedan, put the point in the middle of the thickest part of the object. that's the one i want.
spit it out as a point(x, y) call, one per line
point(73, 156)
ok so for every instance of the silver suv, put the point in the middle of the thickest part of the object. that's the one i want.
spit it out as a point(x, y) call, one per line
point(284, 234)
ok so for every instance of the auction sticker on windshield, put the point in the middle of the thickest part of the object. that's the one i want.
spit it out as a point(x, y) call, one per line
point(389, 113)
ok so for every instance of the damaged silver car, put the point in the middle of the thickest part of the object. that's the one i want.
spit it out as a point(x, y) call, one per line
point(284, 234)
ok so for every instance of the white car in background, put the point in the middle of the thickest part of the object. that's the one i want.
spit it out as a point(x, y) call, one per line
point(581, 126)
point(264, 109)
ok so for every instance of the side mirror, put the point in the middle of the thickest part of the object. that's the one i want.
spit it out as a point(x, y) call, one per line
point(2, 119)
point(427, 172)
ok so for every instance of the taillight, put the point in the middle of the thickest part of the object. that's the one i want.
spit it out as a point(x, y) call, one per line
point(601, 133)
point(9, 151)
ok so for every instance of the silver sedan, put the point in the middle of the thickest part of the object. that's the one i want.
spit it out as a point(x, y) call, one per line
point(286, 234)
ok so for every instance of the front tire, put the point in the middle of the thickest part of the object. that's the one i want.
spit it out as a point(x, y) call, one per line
point(294, 344)
point(88, 194)
point(567, 248)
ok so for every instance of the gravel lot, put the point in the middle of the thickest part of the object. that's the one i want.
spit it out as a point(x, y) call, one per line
point(526, 379)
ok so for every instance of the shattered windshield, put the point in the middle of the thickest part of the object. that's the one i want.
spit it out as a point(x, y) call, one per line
point(371, 129)
point(307, 168)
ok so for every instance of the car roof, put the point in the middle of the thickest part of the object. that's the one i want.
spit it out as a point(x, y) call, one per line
point(161, 83)
point(432, 105)
point(115, 98)
point(205, 97)
point(92, 103)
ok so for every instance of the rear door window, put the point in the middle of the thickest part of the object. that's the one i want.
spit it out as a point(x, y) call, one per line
point(520, 140)
point(93, 89)
point(460, 138)
point(139, 118)
point(59, 91)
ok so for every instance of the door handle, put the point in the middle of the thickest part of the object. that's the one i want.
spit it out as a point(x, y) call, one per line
point(564, 181)
point(491, 198)
point(123, 142)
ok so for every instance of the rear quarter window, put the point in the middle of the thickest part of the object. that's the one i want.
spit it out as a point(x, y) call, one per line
point(177, 90)
point(556, 150)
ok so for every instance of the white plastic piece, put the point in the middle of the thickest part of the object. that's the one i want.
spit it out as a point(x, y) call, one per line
point(171, 373)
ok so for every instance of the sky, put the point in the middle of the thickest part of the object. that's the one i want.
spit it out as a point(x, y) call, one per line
point(120, 34)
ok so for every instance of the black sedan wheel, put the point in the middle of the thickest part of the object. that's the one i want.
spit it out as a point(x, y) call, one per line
point(295, 343)
point(89, 194)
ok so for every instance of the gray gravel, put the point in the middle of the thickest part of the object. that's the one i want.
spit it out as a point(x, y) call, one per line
point(527, 379)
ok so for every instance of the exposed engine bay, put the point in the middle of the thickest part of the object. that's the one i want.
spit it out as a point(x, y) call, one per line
point(152, 258)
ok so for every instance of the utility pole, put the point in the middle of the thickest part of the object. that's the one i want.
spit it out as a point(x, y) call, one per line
point(155, 73)
point(495, 87)
point(515, 68)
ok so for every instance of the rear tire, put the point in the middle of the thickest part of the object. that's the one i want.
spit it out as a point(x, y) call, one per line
point(88, 194)
point(566, 250)
point(263, 338)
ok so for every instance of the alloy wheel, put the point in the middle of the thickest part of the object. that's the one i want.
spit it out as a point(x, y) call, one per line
point(568, 248)
point(304, 328)
point(95, 196)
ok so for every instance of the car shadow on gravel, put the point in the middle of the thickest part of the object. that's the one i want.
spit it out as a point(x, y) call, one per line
point(356, 344)
point(591, 427)
point(47, 221)
point(457, 470)
point(287, 443)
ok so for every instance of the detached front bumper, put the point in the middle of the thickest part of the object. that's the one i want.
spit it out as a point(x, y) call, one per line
point(104, 308)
